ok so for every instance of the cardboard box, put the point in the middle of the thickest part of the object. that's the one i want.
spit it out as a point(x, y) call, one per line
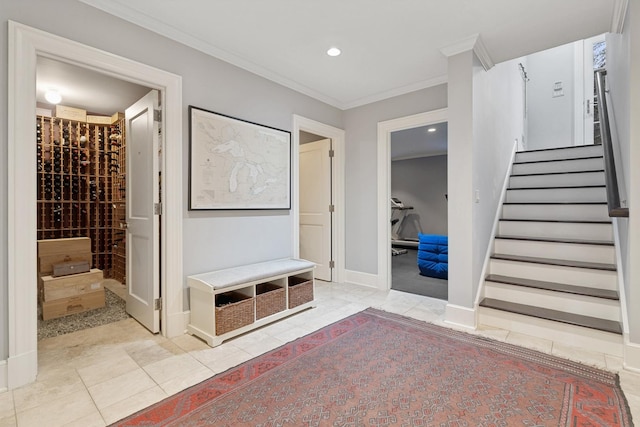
point(56, 251)
point(99, 120)
point(69, 286)
point(72, 305)
point(70, 113)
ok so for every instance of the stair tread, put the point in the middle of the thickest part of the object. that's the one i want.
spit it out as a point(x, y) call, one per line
point(558, 262)
point(556, 160)
point(557, 240)
point(567, 147)
point(555, 315)
point(554, 286)
point(558, 187)
point(574, 221)
point(558, 173)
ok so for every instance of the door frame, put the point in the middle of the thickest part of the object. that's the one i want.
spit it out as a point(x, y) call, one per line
point(25, 45)
point(385, 129)
point(337, 137)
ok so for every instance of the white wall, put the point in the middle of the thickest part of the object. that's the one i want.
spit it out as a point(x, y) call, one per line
point(361, 127)
point(623, 79)
point(485, 119)
point(497, 124)
point(422, 183)
point(551, 120)
point(211, 239)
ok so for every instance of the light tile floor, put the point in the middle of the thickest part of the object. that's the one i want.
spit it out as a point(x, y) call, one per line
point(98, 376)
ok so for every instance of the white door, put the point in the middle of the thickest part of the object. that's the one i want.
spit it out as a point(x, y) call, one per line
point(143, 159)
point(315, 202)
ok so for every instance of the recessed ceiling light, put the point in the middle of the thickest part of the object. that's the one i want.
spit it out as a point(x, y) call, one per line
point(53, 96)
point(334, 51)
point(431, 130)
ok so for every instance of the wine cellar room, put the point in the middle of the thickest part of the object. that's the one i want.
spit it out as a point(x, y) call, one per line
point(81, 196)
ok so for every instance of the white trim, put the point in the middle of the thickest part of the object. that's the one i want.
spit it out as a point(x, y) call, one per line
point(337, 137)
point(360, 278)
point(436, 81)
point(3, 376)
point(496, 220)
point(620, 276)
point(122, 10)
point(384, 183)
point(187, 319)
point(631, 356)
point(25, 45)
point(579, 98)
point(461, 316)
point(475, 43)
point(620, 8)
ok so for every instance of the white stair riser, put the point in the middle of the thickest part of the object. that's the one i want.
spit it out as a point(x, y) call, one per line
point(557, 180)
point(585, 338)
point(566, 153)
point(566, 251)
point(601, 279)
point(566, 230)
point(558, 166)
point(576, 304)
point(580, 194)
point(557, 212)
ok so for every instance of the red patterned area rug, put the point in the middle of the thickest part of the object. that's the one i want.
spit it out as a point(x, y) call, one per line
point(380, 369)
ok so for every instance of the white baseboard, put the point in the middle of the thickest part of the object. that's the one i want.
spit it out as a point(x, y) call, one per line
point(3, 376)
point(632, 357)
point(187, 319)
point(359, 278)
point(461, 316)
point(176, 325)
point(22, 369)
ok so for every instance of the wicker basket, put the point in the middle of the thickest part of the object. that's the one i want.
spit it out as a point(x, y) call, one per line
point(233, 310)
point(300, 291)
point(270, 299)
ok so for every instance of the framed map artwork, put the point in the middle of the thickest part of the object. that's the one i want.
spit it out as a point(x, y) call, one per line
point(235, 164)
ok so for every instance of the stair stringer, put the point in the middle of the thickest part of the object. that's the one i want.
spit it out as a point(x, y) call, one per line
point(494, 229)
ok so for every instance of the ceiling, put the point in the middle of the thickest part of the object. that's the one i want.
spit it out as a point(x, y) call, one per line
point(419, 142)
point(390, 47)
point(79, 87)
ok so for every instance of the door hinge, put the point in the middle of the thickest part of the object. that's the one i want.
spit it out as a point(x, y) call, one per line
point(332, 264)
point(157, 208)
point(157, 115)
point(332, 153)
point(157, 304)
point(332, 208)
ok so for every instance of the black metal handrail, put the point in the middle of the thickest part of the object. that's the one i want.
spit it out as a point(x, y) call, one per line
point(611, 180)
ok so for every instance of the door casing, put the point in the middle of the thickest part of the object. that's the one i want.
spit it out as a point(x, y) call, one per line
point(25, 45)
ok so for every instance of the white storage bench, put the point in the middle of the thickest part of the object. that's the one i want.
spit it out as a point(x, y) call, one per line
point(230, 302)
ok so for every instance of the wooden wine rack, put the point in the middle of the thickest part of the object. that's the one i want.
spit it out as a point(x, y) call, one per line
point(81, 170)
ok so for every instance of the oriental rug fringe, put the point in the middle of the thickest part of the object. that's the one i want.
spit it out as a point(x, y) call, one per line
point(381, 369)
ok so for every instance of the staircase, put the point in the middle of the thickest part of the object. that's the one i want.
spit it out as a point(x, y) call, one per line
point(552, 273)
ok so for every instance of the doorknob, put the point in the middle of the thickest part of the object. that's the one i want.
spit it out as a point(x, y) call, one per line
point(124, 225)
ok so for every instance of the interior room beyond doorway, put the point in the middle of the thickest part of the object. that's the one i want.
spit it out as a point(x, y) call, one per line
point(418, 206)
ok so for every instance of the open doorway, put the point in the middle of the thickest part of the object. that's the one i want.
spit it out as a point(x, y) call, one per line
point(321, 141)
point(26, 45)
point(419, 210)
point(81, 144)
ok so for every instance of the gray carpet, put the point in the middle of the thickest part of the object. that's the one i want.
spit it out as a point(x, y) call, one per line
point(113, 311)
point(406, 277)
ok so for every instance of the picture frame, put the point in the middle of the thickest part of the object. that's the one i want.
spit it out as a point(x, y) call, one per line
point(235, 164)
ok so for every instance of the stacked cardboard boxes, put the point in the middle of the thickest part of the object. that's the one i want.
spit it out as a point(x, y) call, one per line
point(67, 284)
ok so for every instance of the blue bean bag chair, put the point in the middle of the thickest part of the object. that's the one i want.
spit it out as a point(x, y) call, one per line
point(433, 255)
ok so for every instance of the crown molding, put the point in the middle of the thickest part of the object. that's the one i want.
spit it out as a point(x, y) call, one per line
point(620, 8)
point(473, 43)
